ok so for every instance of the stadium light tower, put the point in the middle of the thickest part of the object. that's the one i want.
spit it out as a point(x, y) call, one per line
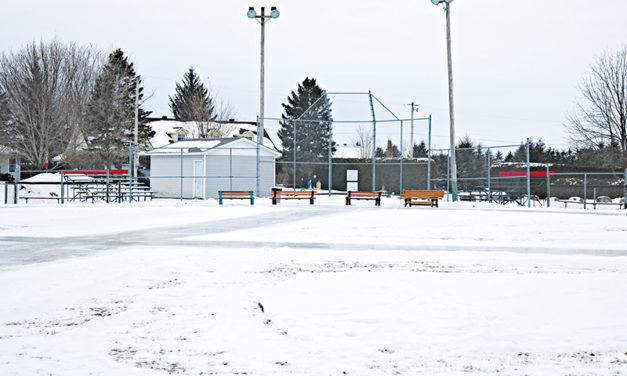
point(447, 10)
point(262, 18)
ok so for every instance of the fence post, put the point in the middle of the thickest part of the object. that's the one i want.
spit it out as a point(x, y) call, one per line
point(62, 189)
point(231, 167)
point(548, 187)
point(528, 177)
point(259, 140)
point(330, 158)
point(585, 189)
point(428, 156)
point(594, 202)
point(489, 178)
point(448, 175)
point(15, 186)
point(6, 192)
point(294, 156)
point(181, 190)
point(400, 185)
point(374, 144)
point(130, 175)
point(107, 184)
point(625, 190)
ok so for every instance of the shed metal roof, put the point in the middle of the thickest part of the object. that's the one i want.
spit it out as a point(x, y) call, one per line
point(206, 146)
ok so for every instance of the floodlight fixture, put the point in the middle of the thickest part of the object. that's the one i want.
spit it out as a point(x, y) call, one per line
point(252, 13)
point(274, 13)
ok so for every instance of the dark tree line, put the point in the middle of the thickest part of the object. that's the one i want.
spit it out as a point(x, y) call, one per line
point(472, 158)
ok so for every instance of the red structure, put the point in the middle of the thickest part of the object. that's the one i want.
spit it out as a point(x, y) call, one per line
point(94, 172)
point(523, 174)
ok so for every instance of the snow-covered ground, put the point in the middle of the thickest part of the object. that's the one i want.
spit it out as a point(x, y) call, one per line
point(196, 289)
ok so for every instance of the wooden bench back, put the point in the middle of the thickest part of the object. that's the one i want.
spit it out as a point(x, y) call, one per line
point(363, 194)
point(235, 193)
point(417, 193)
point(294, 193)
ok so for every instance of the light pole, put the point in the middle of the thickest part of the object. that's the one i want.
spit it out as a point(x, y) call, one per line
point(447, 10)
point(262, 18)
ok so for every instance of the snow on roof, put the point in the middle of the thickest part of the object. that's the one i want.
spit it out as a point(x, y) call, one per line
point(45, 177)
point(519, 164)
point(162, 127)
point(347, 152)
point(186, 145)
point(55, 178)
point(199, 146)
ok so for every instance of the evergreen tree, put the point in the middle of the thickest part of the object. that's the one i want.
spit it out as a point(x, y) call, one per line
point(191, 100)
point(312, 137)
point(379, 152)
point(110, 114)
point(498, 157)
point(420, 150)
point(471, 160)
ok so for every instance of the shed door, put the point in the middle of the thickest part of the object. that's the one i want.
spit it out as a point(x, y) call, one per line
point(198, 179)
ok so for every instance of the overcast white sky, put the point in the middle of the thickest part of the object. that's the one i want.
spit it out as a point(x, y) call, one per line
point(516, 63)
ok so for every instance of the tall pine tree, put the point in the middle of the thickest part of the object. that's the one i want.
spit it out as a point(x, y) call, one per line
point(110, 114)
point(312, 137)
point(191, 100)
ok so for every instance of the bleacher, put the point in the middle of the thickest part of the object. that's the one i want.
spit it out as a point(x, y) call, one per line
point(112, 189)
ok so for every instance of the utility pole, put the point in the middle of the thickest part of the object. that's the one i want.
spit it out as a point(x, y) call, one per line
point(447, 9)
point(411, 134)
point(136, 157)
point(414, 108)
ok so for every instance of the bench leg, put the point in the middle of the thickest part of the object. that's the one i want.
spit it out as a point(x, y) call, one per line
point(311, 201)
point(348, 201)
point(273, 200)
point(377, 202)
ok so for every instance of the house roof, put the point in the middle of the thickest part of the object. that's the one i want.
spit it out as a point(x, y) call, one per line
point(6, 150)
point(206, 146)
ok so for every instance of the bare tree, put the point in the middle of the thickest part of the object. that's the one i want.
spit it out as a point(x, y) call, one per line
point(600, 116)
point(363, 142)
point(221, 109)
point(46, 86)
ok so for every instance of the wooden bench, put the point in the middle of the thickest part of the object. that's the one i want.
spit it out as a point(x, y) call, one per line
point(26, 198)
point(361, 195)
point(421, 197)
point(236, 195)
point(293, 195)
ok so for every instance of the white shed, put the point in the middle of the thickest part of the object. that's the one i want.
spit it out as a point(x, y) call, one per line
point(200, 168)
